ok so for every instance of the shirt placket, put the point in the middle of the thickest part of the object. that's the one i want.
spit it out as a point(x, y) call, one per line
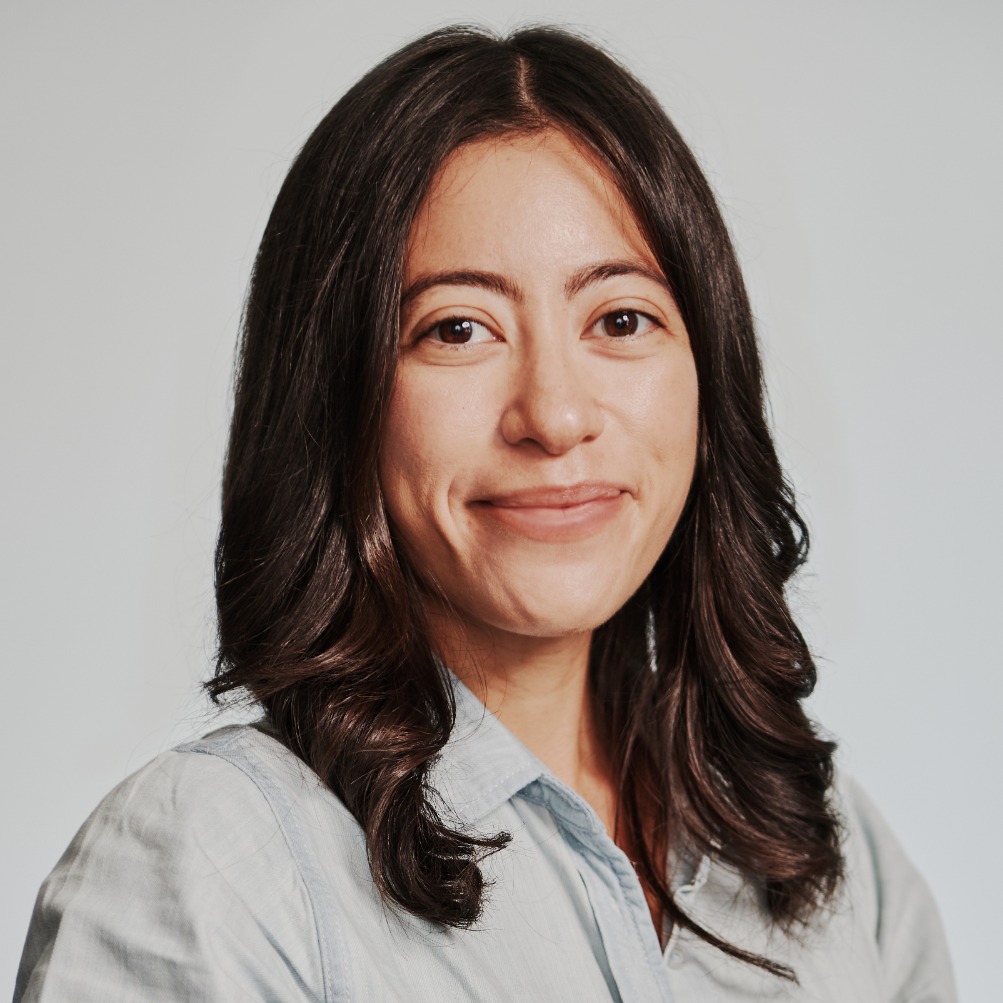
point(618, 903)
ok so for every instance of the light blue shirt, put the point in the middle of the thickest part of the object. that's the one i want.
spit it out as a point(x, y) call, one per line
point(224, 870)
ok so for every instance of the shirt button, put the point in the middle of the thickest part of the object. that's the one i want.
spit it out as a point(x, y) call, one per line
point(676, 958)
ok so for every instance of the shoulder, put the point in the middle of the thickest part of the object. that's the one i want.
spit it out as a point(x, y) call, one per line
point(187, 869)
point(885, 891)
point(223, 798)
point(880, 939)
point(875, 861)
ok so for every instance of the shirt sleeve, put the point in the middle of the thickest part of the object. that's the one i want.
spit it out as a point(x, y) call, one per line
point(910, 936)
point(180, 886)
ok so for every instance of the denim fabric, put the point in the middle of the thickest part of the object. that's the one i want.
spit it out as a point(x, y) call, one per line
point(224, 870)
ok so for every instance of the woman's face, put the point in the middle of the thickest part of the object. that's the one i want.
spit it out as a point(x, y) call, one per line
point(542, 432)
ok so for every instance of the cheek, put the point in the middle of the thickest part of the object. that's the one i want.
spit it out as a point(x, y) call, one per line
point(403, 467)
point(662, 422)
point(660, 417)
point(434, 426)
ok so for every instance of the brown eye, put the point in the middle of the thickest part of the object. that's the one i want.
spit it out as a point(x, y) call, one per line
point(459, 331)
point(455, 332)
point(620, 323)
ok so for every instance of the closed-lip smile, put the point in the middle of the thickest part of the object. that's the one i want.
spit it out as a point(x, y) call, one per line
point(555, 512)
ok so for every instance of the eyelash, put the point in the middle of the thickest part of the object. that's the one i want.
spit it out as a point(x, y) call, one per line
point(620, 311)
point(600, 320)
point(452, 320)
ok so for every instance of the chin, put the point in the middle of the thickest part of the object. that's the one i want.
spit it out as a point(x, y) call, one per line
point(548, 605)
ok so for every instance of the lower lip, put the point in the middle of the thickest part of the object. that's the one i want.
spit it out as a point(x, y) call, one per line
point(552, 523)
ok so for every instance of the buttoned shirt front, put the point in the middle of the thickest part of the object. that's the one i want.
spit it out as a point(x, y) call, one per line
point(225, 870)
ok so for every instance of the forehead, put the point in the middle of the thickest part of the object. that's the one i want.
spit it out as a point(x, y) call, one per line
point(519, 197)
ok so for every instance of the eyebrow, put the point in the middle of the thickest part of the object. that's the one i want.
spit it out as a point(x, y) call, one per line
point(591, 274)
point(587, 276)
point(483, 280)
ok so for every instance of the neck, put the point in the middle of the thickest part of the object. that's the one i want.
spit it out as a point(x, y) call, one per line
point(539, 688)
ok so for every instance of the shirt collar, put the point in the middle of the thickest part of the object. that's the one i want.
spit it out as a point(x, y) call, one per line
point(483, 764)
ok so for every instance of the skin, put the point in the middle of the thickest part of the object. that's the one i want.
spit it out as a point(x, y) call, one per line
point(542, 433)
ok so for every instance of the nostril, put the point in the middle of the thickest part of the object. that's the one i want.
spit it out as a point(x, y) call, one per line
point(556, 418)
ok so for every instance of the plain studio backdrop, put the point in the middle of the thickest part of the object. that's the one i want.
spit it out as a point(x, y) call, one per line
point(856, 149)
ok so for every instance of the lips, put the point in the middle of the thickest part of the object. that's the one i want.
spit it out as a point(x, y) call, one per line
point(555, 512)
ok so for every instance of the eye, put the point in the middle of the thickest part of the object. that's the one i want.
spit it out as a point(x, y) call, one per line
point(459, 331)
point(623, 324)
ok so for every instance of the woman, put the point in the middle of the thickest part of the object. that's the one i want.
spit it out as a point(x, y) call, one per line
point(503, 556)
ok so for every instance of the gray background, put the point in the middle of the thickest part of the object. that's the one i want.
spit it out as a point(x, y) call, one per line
point(856, 149)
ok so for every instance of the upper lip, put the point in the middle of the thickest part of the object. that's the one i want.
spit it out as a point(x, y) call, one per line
point(554, 496)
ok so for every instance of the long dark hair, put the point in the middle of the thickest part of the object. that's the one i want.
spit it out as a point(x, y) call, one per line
point(320, 617)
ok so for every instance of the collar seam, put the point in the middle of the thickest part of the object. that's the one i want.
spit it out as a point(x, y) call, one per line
point(466, 806)
point(568, 803)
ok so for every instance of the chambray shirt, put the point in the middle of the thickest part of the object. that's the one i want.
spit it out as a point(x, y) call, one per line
point(224, 870)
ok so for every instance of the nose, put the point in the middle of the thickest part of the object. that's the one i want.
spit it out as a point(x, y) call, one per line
point(551, 406)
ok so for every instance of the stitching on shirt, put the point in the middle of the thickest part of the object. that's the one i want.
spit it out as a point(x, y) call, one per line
point(655, 969)
point(508, 776)
point(276, 796)
point(557, 793)
point(577, 831)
